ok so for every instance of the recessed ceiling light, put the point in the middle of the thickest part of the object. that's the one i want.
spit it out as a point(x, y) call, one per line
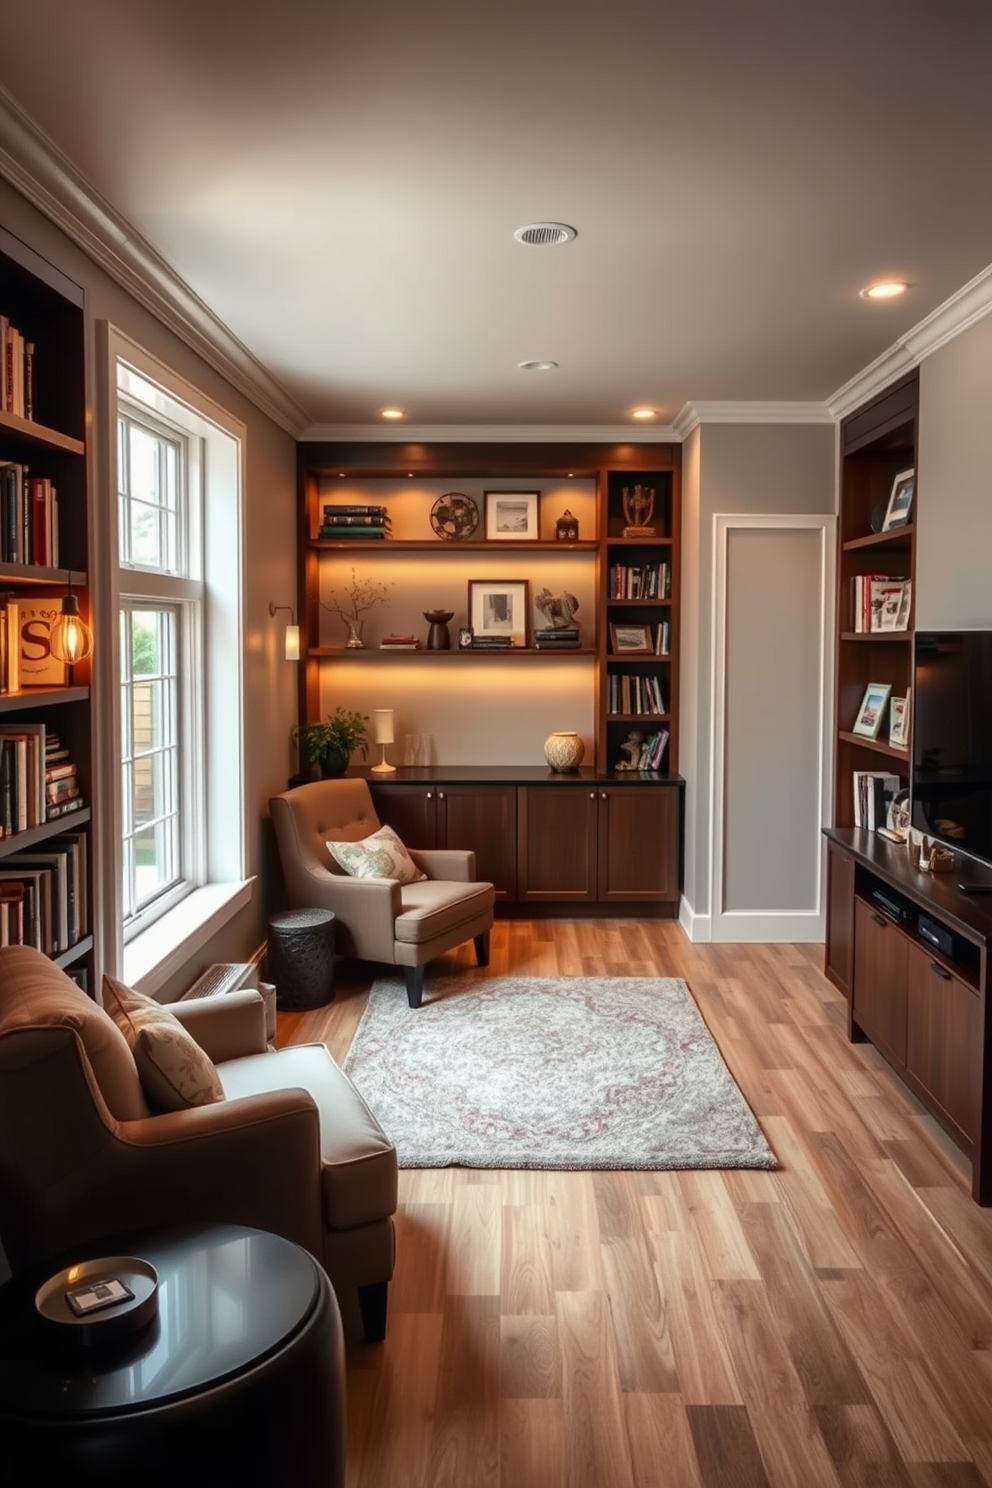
point(889, 290)
point(391, 413)
point(545, 234)
point(537, 366)
point(643, 413)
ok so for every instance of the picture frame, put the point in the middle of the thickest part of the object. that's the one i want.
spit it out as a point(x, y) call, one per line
point(900, 505)
point(627, 638)
point(899, 714)
point(497, 610)
point(465, 637)
point(868, 723)
point(512, 516)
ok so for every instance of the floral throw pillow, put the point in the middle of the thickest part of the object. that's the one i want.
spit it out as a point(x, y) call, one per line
point(175, 1072)
point(380, 856)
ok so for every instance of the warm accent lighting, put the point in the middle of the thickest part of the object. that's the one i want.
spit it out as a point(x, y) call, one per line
point(391, 413)
point(383, 728)
point(643, 413)
point(292, 644)
point(887, 291)
point(70, 639)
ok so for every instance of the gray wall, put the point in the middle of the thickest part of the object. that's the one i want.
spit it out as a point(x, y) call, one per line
point(270, 552)
point(954, 519)
point(733, 469)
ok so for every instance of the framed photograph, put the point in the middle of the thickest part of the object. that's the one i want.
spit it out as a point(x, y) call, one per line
point(630, 638)
point(497, 610)
point(465, 637)
point(900, 500)
point(899, 722)
point(512, 515)
point(869, 720)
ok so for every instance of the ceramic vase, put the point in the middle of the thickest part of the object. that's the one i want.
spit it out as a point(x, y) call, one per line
point(563, 751)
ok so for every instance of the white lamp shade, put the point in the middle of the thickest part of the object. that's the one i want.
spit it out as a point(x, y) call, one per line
point(383, 725)
point(292, 643)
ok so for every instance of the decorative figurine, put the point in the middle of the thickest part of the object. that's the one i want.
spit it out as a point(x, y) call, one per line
point(557, 609)
point(567, 527)
point(631, 750)
point(638, 508)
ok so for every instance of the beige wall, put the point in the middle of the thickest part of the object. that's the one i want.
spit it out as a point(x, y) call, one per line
point(270, 550)
point(954, 519)
point(733, 469)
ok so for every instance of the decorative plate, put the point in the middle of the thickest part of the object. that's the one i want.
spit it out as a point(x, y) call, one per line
point(454, 515)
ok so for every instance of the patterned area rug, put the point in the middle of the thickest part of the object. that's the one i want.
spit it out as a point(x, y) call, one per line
point(552, 1072)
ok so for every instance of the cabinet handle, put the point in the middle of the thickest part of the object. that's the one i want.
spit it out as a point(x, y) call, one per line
point(941, 971)
point(592, 795)
point(430, 795)
point(440, 795)
point(881, 920)
point(602, 796)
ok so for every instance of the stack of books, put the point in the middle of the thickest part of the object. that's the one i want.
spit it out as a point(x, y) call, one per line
point(557, 638)
point(359, 523)
point(399, 643)
point(874, 792)
point(492, 643)
point(37, 778)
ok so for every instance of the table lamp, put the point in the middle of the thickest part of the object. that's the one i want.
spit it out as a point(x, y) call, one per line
point(383, 736)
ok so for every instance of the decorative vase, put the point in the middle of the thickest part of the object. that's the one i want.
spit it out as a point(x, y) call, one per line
point(332, 762)
point(354, 641)
point(438, 638)
point(563, 751)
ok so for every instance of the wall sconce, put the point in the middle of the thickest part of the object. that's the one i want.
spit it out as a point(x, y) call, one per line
point(383, 728)
point(70, 638)
point(292, 651)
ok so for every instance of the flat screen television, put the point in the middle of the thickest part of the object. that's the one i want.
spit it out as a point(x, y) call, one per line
point(951, 740)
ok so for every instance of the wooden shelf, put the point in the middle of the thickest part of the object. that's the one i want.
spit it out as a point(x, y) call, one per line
point(876, 746)
point(41, 697)
point(898, 537)
point(873, 636)
point(439, 545)
point(20, 841)
point(34, 573)
point(378, 653)
point(34, 433)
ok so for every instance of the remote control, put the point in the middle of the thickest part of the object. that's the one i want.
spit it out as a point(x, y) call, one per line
point(975, 888)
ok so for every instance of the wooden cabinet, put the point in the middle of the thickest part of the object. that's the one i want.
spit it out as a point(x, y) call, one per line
point(639, 844)
point(557, 845)
point(924, 1007)
point(880, 974)
point(480, 818)
point(44, 514)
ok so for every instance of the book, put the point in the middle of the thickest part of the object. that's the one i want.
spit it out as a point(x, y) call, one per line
point(873, 791)
point(30, 880)
point(37, 666)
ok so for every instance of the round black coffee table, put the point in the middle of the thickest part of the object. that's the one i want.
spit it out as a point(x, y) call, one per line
point(238, 1379)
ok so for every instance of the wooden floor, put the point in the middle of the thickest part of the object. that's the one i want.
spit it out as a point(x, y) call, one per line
point(827, 1323)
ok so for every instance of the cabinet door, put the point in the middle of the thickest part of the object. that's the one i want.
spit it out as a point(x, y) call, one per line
point(880, 975)
point(411, 811)
point(484, 819)
point(556, 851)
point(839, 953)
point(638, 843)
point(944, 1042)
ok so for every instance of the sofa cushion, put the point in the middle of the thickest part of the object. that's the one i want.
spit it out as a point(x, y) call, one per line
point(175, 1072)
point(38, 995)
point(358, 1161)
point(437, 905)
point(381, 855)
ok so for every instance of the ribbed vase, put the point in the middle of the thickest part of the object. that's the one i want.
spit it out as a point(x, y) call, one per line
point(563, 751)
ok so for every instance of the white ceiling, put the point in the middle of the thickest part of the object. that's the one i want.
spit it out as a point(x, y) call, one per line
point(341, 187)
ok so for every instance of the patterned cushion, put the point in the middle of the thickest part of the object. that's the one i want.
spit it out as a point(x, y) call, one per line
point(380, 856)
point(175, 1072)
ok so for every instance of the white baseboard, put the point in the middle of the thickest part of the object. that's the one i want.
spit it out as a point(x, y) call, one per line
point(697, 927)
point(805, 927)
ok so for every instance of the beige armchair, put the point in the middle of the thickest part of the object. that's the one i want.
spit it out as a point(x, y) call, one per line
point(291, 1148)
point(378, 919)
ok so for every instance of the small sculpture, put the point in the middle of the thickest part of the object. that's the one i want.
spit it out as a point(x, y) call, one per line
point(557, 609)
point(631, 750)
point(638, 508)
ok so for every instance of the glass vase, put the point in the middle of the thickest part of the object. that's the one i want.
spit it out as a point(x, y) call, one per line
point(355, 628)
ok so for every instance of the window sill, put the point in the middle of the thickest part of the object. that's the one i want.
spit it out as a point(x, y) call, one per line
point(162, 950)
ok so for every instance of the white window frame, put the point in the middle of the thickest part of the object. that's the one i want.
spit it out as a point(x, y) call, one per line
point(214, 885)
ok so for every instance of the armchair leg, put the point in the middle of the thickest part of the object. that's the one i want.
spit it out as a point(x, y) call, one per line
point(414, 976)
point(481, 943)
point(372, 1301)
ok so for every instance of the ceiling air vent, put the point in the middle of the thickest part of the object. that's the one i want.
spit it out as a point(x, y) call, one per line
point(545, 234)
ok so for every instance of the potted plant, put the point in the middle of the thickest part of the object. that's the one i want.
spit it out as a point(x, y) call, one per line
point(328, 744)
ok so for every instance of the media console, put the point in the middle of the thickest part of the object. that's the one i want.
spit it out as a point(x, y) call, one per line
point(909, 951)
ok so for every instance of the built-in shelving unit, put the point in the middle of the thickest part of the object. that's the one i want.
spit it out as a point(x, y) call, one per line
point(47, 310)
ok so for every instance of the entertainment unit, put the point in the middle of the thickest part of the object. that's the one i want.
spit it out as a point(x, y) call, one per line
point(917, 986)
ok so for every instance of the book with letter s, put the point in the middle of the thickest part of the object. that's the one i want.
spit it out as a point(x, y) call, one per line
point(36, 664)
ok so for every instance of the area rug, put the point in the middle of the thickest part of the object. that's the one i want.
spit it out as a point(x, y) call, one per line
point(551, 1072)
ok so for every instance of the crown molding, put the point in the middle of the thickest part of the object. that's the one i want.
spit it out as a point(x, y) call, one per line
point(36, 168)
point(691, 415)
point(971, 303)
point(399, 433)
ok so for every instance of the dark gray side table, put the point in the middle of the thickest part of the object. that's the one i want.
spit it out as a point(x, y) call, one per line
point(301, 958)
point(239, 1379)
